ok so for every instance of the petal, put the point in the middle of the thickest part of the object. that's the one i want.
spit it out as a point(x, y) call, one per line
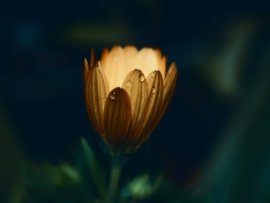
point(169, 86)
point(104, 56)
point(161, 63)
point(92, 58)
point(168, 89)
point(114, 67)
point(162, 67)
point(87, 67)
point(85, 70)
point(117, 116)
point(154, 102)
point(85, 78)
point(136, 86)
point(130, 54)
point(96, 93)
point(147, 60)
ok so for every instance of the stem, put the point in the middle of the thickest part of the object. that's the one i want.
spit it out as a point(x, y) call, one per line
point(114, 181)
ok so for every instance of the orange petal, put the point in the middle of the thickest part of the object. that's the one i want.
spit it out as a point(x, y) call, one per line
point(154, 102)
point(130, 54)
point(87, 67)
point(169, 85)
point(136, 86)
point(147, 60)
point(92, 58)
point(117, 116)
point(162, 67)
point(113, 66)
point(85, 70)
point(104, 56)
point(161, 62)
point(96, 93)
point(168, 89)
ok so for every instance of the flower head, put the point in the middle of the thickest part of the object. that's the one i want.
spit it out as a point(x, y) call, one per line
point(126, 94)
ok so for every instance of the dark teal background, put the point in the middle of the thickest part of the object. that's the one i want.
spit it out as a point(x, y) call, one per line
point(214, 140)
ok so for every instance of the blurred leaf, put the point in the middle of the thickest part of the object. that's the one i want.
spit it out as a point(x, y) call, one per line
point(96, 171)
point(142, 187)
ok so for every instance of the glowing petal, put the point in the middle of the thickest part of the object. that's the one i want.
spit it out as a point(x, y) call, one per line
point(117, 116)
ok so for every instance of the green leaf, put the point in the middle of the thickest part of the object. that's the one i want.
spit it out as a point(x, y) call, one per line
point(96, 171)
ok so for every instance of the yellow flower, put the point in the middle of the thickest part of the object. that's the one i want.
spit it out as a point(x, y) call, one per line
point(123, 104)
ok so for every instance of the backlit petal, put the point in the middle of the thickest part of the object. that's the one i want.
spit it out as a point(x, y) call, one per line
point(169, 86)
point(136, 86)
point(161, 63)
point(117, 116)
point(113, 67)
point(130, 54)
point(97, 90)
point(85, 70)
point(147, 61)
point(168, 90)
point(154, 102)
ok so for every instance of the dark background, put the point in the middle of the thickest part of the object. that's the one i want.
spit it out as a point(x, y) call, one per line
point(215, 137)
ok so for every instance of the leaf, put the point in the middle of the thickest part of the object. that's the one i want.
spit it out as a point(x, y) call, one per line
point(96, 171)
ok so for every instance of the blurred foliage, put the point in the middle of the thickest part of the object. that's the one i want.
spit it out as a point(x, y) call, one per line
point(83, 181)
point(211, 146)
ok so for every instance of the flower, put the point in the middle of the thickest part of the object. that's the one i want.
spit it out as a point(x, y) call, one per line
point(123, 104)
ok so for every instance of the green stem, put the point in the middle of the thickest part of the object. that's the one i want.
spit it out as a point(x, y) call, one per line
point(114, 182)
